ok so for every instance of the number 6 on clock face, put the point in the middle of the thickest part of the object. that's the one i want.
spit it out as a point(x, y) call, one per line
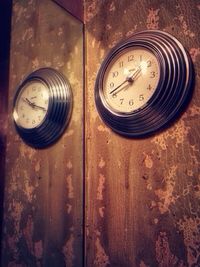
point(144, 83)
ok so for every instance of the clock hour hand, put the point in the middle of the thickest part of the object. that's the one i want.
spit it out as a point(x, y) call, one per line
point(26, 100)
point(129, 79)
point(134, 75)
point(33, 105)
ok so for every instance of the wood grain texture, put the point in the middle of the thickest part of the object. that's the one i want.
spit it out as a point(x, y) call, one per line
point(142, 196)
point(43, 190)
point(5, 25)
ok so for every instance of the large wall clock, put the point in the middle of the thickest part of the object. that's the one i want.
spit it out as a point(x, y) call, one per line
point(144, 83)
point(42, 107)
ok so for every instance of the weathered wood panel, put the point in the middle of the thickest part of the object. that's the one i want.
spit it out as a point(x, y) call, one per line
point(74, 7)
point(142, 196)
point(43, 191)
point(5, 23)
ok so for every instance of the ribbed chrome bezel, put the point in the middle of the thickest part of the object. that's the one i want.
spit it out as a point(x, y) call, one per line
point(59, 108)
point(172, 93)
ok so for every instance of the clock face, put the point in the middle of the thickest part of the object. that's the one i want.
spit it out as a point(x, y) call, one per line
point(31, 104)
point(130, 79)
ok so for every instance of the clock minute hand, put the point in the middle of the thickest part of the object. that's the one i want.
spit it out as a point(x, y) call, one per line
point(33, 105)
point(129, 79)
point(36, 106)
point(28, 102)
point(119, 86)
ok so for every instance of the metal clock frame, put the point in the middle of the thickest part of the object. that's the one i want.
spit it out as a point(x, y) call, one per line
point(171, 96)
point(58, 112)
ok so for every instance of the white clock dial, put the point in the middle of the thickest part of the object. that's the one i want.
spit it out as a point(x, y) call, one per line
point(31, 104)
point(131, 79)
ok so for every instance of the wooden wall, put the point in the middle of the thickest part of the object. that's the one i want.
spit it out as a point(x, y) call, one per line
point(142, 196)
point(5, 24)
point(43, 190)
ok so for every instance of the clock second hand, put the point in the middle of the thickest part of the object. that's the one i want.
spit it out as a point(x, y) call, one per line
point(128, 79)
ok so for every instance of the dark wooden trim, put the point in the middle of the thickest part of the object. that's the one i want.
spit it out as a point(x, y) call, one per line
point(75, 7)
point(5, 29)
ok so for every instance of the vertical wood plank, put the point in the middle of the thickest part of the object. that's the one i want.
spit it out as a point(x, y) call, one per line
point(43, 191)
point(5, 25)
point(142, 196)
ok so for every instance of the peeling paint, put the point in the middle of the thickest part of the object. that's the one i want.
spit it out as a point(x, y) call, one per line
point(195, 52)
point(164, 256)
point(69, 208)
point(69, 165)
point(142, 264)
point(28, 233)
point(185, 27)
point(153, 19)
point(35, 63)
point(60, 31)
point(38, 249)
point(178, 133)
point(68, 251)
point(47, 63)
point(70, 187)
point(28, 190)
point(112, 7)
point(116, 37)
point(15, 209)
point(11, 240)
point(148, 161)
point(91, 12)
point(108, 27)
point(194, 154)
point(193, 111)
point(156, 221)
point(102, 163)
point(26, 151)
point(19, 11)
point(101, 211)
point(149, 186)
point(28, 34)
point(70, 132)
point(101, 187)
point(101, 259)
point(191, 232)
point(166, 197)
point(37, 166)
point(131, 31)
point(102, 128)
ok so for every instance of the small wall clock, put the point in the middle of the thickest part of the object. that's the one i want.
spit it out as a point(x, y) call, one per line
point(144, 83)
point(42, 107)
